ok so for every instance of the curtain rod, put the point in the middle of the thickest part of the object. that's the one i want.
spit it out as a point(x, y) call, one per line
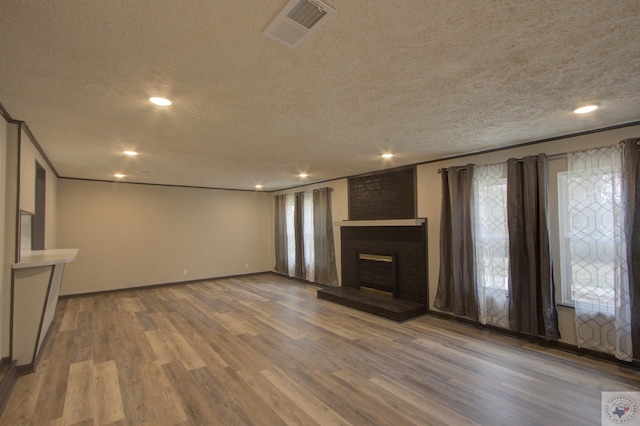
point(549, 157)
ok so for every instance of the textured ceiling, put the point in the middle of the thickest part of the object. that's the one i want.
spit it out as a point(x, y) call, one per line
point(421, 79)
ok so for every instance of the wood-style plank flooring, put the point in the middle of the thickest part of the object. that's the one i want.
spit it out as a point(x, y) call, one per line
point(263, 350)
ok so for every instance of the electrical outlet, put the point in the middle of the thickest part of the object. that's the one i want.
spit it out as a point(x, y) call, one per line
point(185, 271)
point(246, 266)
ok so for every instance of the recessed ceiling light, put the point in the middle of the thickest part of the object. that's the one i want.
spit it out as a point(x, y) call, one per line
point(303, 175)
point(585, 109)
point(159, 101)
point(130, 153)
point(258, 186)
point(387, 155)
point(118, 175)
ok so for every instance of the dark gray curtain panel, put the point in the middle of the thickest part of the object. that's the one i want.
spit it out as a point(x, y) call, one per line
point(456, 283)
point(325, 256)
point(280, 214)
point(298, 221)
point(630, 179)
point(532, 307)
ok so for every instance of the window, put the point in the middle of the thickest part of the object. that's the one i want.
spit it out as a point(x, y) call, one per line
point(593, 249)
point(304, 248)
point(588, 245)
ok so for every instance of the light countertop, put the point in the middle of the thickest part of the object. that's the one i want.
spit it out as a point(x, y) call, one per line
point(37, 258)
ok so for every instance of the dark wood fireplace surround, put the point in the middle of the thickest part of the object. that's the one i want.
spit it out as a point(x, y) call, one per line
point(382, 222)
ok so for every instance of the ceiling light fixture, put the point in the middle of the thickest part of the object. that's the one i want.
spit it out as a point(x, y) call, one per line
point(130, 153)
point(118, 175)
point(303, 175)
point(156, 100)
point(585, 109)
point(387, 155)
point(258, 186)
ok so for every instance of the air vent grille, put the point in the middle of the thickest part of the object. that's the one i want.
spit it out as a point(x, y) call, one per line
point(288, 32)
point(297, 21)
point(306, 13)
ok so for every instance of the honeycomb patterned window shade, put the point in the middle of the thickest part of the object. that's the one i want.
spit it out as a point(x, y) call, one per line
point(596, 247)
point(491, 243)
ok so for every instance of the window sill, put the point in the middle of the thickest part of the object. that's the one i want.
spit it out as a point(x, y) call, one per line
point(565, 305)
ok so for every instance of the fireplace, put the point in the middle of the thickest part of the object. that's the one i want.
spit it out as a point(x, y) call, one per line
point(383, 247)
point(377, 271)
point(389, 256)
point(403, 241)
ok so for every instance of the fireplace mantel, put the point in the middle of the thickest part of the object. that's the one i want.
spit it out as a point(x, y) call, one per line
point(391, 222)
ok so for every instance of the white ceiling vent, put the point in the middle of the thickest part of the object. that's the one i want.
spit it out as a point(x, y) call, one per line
point(297, 21)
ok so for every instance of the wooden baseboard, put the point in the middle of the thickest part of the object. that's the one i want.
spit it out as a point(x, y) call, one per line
point(8, 378)
point(539, 340)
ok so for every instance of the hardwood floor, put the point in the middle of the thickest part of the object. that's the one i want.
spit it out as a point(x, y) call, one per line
point(264, 350)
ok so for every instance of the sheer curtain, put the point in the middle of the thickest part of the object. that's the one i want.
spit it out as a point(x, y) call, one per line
point(532, 306)
point(598, 250)
point(491, 242)
point(307, 229)
point(290, 207)
point(456, 283)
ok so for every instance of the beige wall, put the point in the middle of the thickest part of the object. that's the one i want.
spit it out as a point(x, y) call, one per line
point(10, 229)
point(5, 279)
point(15, 145)
point(29, 155)
point(135, 235)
